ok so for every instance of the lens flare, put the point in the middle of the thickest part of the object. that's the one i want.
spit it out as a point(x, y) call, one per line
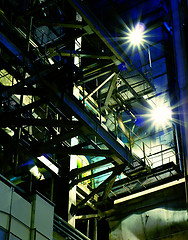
point(136, 35)
point(161, 115)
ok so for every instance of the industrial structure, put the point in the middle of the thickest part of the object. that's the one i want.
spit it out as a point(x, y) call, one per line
point(93, 120)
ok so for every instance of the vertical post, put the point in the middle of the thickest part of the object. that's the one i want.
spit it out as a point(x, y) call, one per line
point(88, 221)
point(162, 153)
point(130, 143)
point(95, 229)
point(52, 189)
point(149, 55)
point(61, 189)
point(10, 214)
point(144, 152)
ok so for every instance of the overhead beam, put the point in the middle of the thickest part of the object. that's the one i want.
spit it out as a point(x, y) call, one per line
point(88, 79)
point(142, 175)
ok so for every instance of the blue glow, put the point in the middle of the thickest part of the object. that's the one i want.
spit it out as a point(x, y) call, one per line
point(122, 66)
point(29, 163)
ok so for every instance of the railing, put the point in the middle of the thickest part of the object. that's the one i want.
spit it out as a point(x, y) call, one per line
point(66, 230)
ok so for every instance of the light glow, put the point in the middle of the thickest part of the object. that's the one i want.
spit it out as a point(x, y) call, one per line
point(161, 115)
point(136, 35)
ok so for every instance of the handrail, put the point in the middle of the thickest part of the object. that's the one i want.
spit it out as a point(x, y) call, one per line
point(67, 230)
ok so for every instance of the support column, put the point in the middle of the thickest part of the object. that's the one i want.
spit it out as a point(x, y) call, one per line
point(61, 190)
point(179, 9)
point(72, 194)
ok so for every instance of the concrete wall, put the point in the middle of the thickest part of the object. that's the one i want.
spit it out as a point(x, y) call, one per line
point(159, 223)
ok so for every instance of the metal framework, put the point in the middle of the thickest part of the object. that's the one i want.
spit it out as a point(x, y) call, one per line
point(47, 100)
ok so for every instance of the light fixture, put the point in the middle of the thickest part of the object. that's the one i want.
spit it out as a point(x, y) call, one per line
point(136, 35)
point(35, 171)
point(49, 164)
point(161, 115)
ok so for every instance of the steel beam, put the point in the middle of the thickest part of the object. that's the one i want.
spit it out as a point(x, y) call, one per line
point(40, 148)
point(76, 171)
point(139, 98)
point(51, 23)
point(85, 152)
point(78, 54)
point(39, 76)
point(116, 172)
point(76, 181)
point(120, 150)
point(108, 188)
point(110, 90)
point(6, 121)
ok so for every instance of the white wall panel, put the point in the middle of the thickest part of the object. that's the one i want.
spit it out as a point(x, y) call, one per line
point(39, 214)
point(40, 237)
point(4, 220)
point(12, 237)
point(43, 219)
point(20, 230)
point(21, 209)
point(5, 201)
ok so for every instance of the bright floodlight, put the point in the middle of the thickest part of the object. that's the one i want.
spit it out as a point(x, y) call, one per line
point(136, 35)
point(161, 115)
